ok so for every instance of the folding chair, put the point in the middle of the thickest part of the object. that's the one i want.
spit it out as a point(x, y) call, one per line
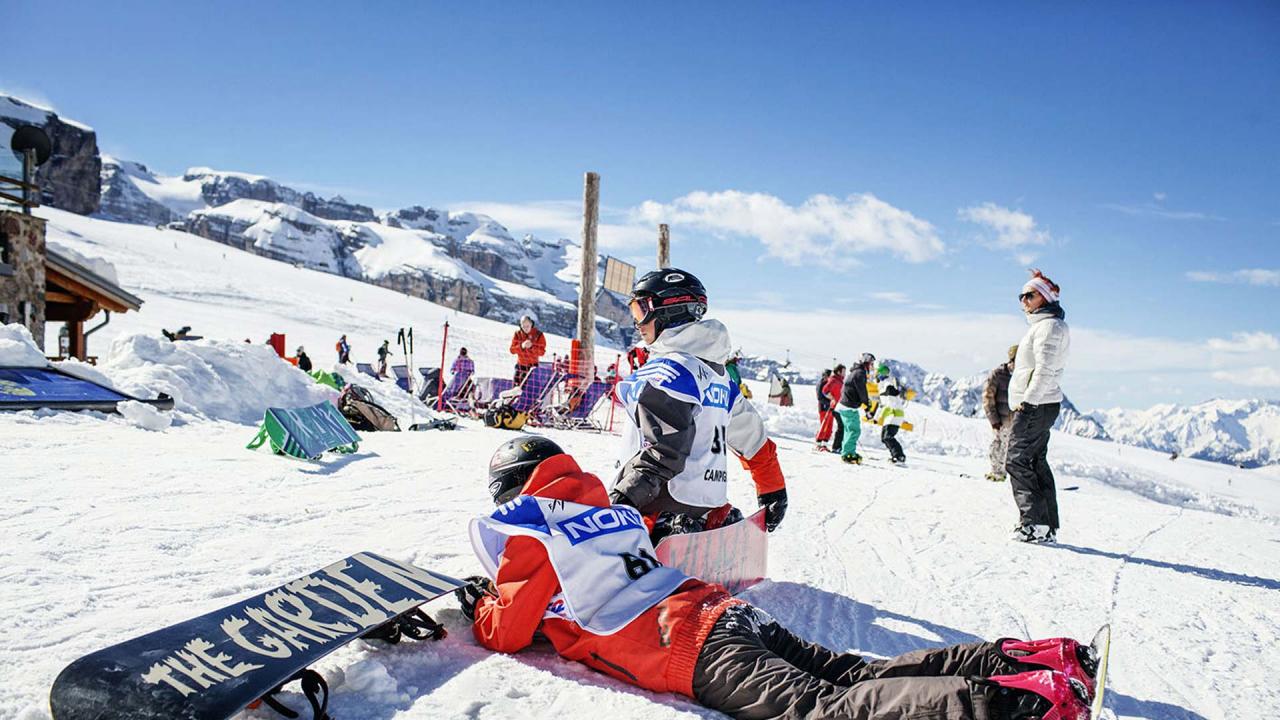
point(401, 373)
point(367, 369)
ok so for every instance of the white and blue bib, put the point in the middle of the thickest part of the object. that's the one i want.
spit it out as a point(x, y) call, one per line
point(602, 556)
point(704, 480)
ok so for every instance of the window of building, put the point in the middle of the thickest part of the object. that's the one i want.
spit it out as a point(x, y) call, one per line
point(6, 268)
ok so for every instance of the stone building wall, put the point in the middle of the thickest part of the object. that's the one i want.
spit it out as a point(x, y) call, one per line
point(22, 281)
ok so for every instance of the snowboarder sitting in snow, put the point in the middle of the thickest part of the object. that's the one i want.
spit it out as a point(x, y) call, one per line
point(685, 414)
point(567, 564)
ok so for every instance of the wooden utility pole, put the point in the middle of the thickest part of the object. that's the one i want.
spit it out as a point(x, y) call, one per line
point(664, 246)
point(587, 286)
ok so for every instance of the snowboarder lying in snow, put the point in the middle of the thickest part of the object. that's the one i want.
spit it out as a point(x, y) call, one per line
point(567, 564)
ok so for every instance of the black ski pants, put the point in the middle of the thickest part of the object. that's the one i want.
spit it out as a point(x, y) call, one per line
point(837, 439)
point(752, 667)
point(887, 436)
point(1028, 465)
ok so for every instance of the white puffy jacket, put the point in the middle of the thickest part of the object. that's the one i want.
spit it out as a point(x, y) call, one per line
point(1042, 356)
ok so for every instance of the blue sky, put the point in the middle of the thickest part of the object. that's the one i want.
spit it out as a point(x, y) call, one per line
point(896, 169)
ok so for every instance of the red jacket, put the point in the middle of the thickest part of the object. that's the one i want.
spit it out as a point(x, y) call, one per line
point(536, 349)
point(833, 389)
point(656, 651)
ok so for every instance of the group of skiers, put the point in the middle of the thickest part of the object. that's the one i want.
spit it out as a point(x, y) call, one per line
point(573, 560)
point(845, 397)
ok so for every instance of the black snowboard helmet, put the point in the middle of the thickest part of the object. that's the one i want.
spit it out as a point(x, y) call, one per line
point(671, 296)
point(514, 461)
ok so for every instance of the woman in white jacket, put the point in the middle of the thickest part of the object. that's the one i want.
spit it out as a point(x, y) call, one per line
point(1036, 398)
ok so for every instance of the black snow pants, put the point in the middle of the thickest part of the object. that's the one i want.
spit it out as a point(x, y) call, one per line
point(1028, 465)
point(752, 667)
point(839, 431)
point(891, 442)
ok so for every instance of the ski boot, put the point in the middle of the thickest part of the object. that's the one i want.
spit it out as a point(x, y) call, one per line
point(1076, 661)
point(1034, 534)
point(898, 460)
point(1038, 695)
point(852, 458)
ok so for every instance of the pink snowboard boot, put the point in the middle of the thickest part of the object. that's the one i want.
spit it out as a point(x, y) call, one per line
point(1039, 695)
point(1065, 655)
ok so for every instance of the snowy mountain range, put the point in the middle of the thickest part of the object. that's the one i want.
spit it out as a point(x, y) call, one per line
point(1239, 432)
point(462, 260)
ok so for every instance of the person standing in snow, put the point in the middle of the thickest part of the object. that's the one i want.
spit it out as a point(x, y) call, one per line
point(344, 350)
point(684, 415)
point(384, 351)
point(1035, 394)
point(527, 344)
point(824, 407)
point(304, 361)
point(832, 390)
point(995, 404)
point(891, 412)
point(853, 401)
point(561, 562)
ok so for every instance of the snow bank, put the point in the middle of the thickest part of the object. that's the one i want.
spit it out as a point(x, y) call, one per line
point(143, 415)
point(211, 379)
point(17, 349)
point(98, 265)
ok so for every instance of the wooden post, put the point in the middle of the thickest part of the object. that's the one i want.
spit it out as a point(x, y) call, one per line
point(664, 246)
point(587, 285)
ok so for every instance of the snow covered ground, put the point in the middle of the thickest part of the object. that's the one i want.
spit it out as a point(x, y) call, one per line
point(109, 530)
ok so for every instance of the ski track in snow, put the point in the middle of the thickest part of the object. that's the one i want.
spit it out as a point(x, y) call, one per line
point(108, 531)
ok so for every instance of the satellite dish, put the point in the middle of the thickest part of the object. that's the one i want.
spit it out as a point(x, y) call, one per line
point(30, 137)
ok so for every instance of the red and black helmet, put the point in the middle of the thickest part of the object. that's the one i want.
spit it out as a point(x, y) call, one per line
point(671, 296)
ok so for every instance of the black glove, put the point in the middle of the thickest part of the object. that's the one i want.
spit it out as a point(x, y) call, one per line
point(617, 498)
point(775, 506)
point(469, 595)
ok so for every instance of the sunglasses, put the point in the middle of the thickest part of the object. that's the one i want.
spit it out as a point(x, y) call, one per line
point(1027, 295)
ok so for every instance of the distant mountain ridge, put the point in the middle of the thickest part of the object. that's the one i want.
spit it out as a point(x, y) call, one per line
point(1238, 432)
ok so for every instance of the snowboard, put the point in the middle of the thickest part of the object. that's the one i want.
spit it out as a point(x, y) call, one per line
point(215, 665)
point(735, 556)
point(1101, 647)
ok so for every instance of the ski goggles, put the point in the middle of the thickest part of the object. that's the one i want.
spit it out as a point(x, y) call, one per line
point(645, 307)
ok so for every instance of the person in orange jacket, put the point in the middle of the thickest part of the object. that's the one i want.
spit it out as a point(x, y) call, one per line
point(527, 344)
point(567, 564)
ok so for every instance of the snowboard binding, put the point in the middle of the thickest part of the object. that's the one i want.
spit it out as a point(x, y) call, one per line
point(1064, 655)
point(1039, 695)
point(414, 624)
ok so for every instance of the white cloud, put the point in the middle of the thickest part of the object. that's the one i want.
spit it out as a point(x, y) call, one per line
point(1261, 376)
point(1245, 342)
point(1249, 276)
point(899, 298)
point(1013, 229)
point(1159, 196)
point(1154, 210)
point(823, 229)
point(555, 219)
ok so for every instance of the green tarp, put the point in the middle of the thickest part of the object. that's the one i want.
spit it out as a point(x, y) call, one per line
point(306, 432)
point(325, 377)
